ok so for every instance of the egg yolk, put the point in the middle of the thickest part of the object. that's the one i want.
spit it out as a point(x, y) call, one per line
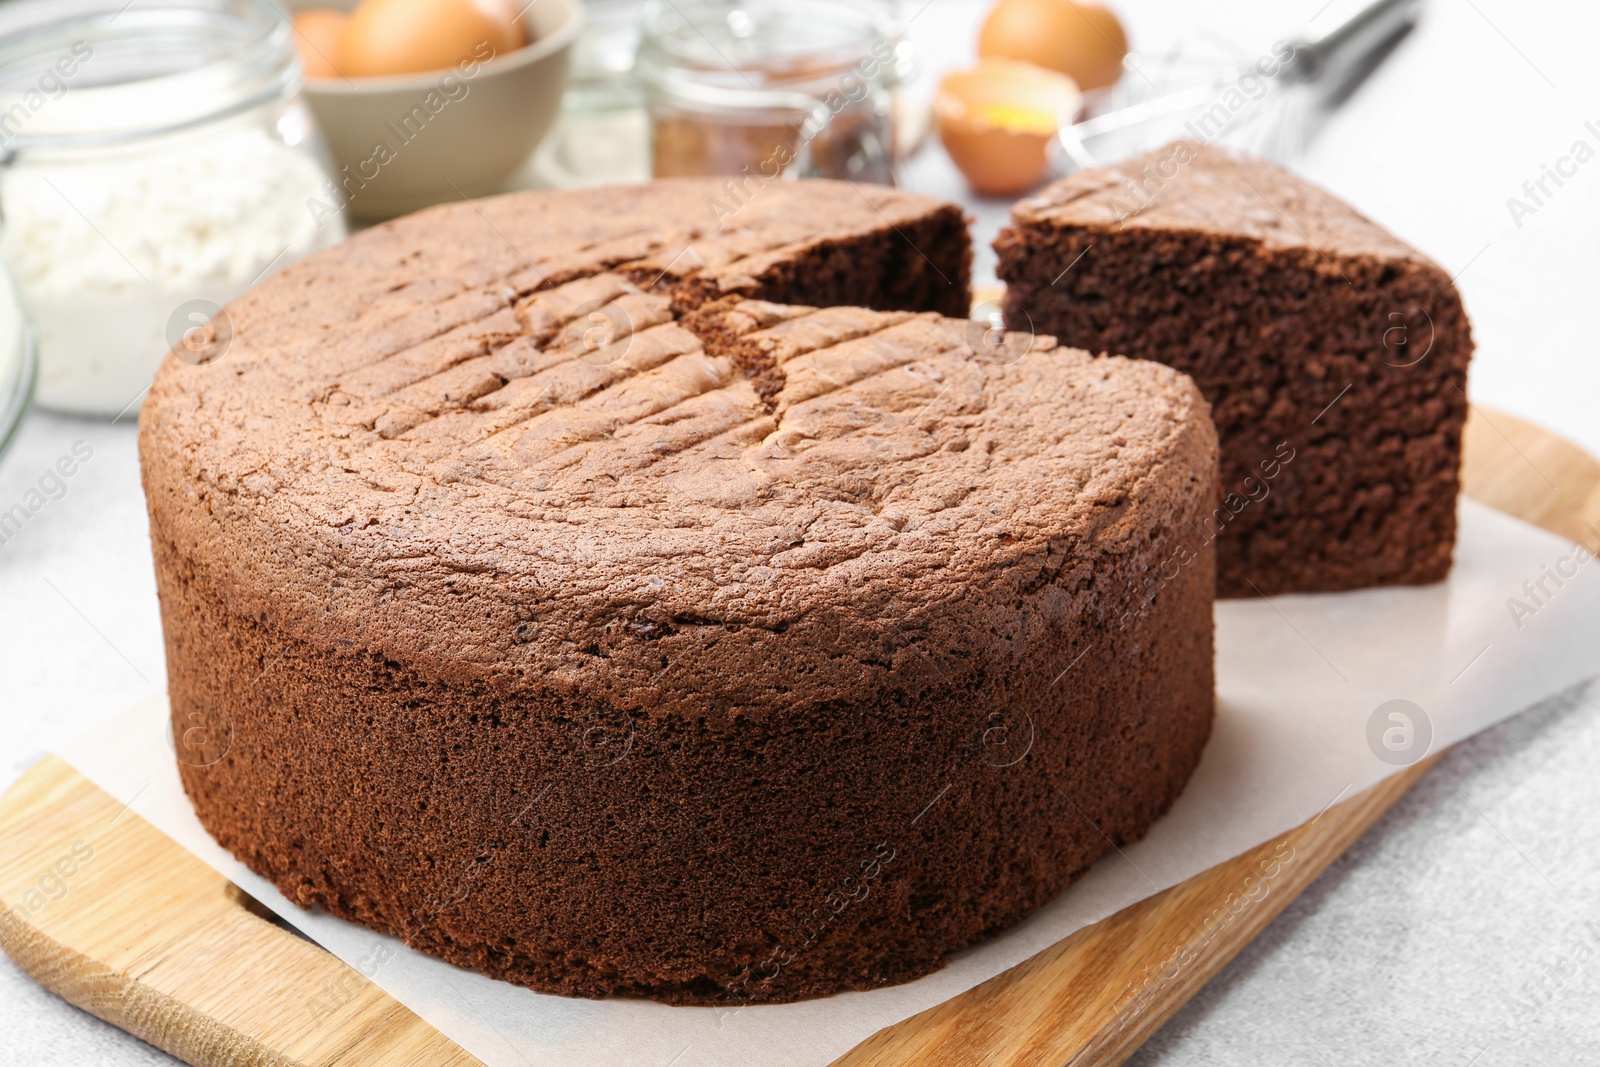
point(1019, 117)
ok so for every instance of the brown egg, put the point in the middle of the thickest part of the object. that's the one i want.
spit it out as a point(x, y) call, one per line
point(409, 36)
point(317, 32)
point(1082, 40)
point(997, 119)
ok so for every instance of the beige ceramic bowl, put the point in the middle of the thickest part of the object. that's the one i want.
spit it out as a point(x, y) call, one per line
point(404, 142)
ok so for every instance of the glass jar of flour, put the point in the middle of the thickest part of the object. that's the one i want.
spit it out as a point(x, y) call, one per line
point(156, 160)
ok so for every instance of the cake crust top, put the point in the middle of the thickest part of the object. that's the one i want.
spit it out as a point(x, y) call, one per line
point(1212, 189)
point(485, 441)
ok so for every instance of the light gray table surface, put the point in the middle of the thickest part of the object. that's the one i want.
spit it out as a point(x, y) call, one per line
point(1464, 929)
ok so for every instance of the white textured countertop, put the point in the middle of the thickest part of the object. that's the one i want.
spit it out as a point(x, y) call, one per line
point(1454, 934)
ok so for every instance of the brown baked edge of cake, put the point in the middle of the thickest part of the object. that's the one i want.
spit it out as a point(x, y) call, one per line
point(802, 875)
point(1362, 502)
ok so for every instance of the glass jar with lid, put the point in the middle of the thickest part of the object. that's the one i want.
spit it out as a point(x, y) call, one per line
point(768, 88)
point(156, 160)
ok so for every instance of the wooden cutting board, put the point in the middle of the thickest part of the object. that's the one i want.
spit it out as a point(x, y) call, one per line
point(102, 908)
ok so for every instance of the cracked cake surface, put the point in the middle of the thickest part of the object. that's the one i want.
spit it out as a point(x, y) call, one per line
point(605, 617)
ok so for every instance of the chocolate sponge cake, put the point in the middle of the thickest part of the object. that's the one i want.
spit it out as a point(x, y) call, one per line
point(1334, 356)
point(567, 606)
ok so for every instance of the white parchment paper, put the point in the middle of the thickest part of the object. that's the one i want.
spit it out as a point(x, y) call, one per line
point(1306, 686)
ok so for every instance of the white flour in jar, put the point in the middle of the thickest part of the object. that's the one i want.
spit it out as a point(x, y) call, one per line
point(106, 250)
